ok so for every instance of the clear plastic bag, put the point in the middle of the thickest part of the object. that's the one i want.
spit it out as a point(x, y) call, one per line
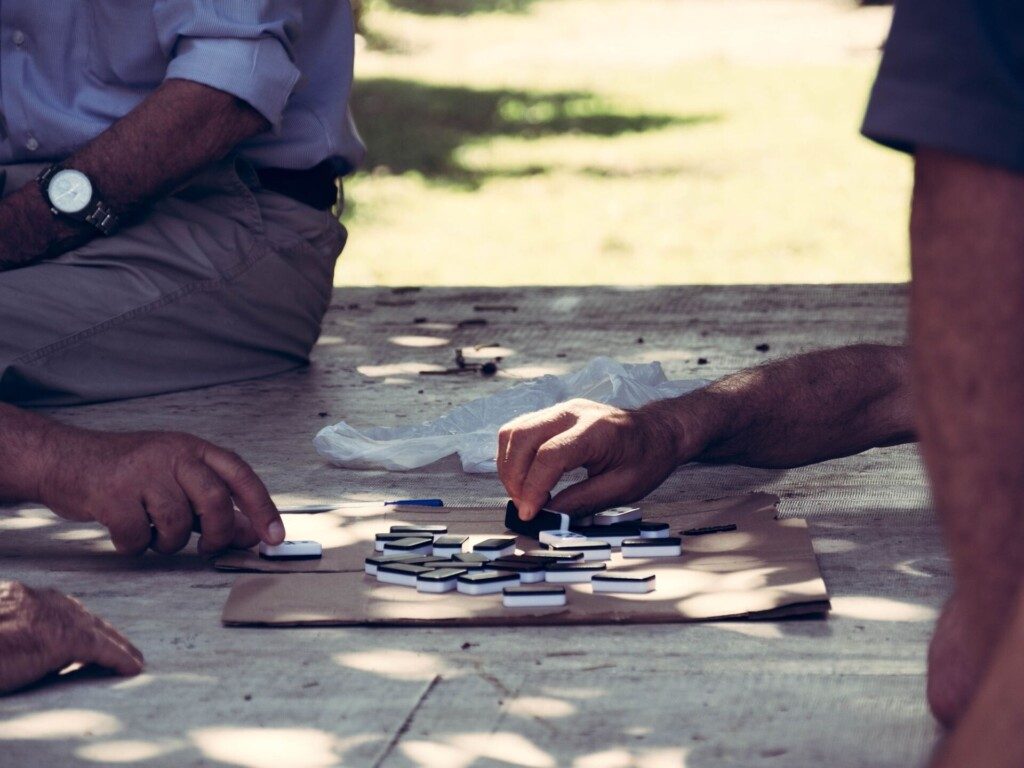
point(471, 429)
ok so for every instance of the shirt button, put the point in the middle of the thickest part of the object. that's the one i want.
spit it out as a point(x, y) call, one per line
point(32, 144)
point(18, 37)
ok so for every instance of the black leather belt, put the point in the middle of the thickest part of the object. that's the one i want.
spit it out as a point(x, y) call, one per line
point(314, 186)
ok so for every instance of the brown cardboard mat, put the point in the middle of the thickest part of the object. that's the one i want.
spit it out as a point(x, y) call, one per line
point(764, 569)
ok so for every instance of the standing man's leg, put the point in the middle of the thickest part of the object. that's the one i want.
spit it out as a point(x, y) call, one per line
point(967, 335)
point(950, 90)
point(989, 733)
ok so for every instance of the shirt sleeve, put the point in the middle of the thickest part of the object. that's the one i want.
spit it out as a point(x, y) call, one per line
point(952, 78)
point(241, 47)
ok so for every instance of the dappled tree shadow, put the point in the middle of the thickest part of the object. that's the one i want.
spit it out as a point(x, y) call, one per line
point(414, 126)
point(461, 7)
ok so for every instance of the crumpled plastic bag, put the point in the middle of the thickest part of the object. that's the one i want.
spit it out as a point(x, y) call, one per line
point(471, 430)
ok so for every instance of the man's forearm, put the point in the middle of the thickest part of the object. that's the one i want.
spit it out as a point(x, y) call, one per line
point(179, 129)
point(25, 446)
point(810, 408)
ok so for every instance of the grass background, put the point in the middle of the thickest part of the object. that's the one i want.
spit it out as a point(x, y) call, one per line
point(518, 142)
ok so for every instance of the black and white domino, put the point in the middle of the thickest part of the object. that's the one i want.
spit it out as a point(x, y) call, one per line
point(668, 546)
point(654, 530)
point(572, 573)
point(470, 557)
point(371, 564)
point(533, 597)
point(384, 538)
point(403, 574)
point(529, 572)
point(622, 582)
point(291, 550)
point(439, 580)
point(411, 545)
point(554, 556)
point(617, 515)
point(420, 529)
point(499, 546)
point(592, 549)
point(450, 545)
point(558, 537)
point(486, 582)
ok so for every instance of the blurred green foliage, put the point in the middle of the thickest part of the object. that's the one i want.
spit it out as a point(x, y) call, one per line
point(420, 127)
point(619, 142)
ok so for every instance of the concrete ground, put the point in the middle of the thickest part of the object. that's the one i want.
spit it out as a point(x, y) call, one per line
point(843, 691)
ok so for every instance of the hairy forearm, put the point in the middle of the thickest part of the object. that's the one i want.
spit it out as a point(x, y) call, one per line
point(178, 130)
point(809, 408)
point(26, 441)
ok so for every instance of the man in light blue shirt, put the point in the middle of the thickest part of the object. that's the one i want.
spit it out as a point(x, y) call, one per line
point(170, 168)
point(169, 172)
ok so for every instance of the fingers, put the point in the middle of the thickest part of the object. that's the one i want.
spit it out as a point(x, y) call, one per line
point(104, 645)
point(518, 443)
point(211, 502)
point(245, 535)
point(553, 459)
point(74, 634)
point(130, 530)
point(249, 492)
point(172, 517)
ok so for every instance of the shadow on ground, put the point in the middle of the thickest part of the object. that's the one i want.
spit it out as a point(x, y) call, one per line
point(413, 126)
point(461, 7)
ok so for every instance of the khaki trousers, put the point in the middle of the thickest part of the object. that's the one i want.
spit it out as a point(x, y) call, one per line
point(218, 282)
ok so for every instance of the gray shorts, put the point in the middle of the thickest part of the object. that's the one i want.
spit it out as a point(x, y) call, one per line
point(220, 281)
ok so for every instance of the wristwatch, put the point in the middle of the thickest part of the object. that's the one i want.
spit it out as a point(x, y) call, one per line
point(71, 193)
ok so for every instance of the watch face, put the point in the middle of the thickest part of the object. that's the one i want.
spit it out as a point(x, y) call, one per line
point(69, 191)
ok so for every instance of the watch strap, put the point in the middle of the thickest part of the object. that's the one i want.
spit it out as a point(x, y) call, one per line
point(45, 175)
point(97, 214)
point(101, 217)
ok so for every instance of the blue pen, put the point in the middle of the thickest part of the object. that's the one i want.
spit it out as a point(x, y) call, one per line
point(315, 508)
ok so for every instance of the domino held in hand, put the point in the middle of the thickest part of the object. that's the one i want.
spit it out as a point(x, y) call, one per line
point(291, 550)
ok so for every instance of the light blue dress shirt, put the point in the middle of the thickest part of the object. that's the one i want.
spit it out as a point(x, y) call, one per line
point(70, 68)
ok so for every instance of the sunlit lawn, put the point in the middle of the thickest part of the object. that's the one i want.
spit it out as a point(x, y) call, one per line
point(622, 141)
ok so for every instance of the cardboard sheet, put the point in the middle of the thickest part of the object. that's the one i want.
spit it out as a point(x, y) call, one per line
point(764, 569)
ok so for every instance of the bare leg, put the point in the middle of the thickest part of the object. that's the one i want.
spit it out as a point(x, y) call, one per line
point(967, 336)
point(991, 732)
